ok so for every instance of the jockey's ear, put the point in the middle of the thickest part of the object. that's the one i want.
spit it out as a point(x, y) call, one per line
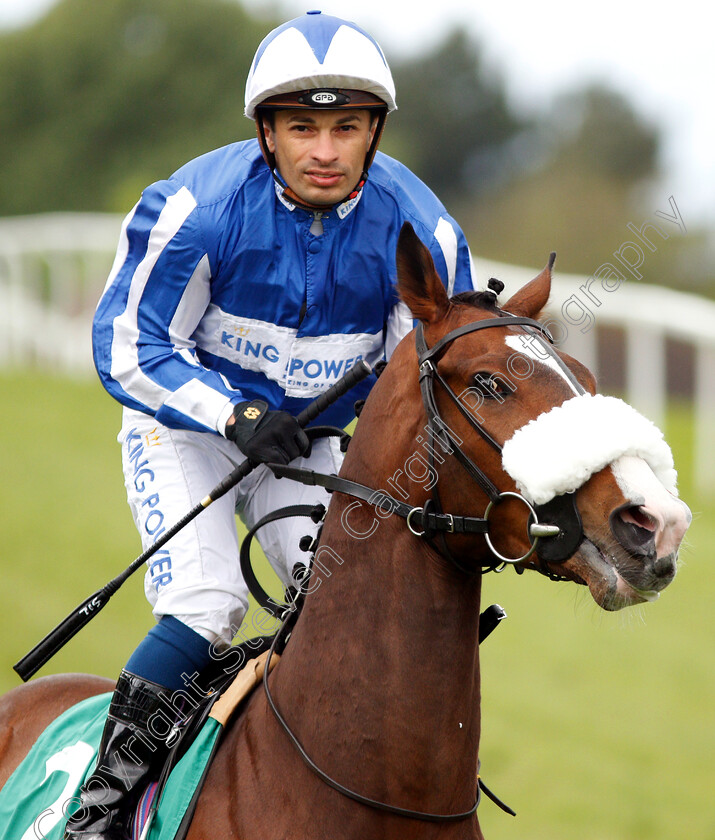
point(418, 283)
point(532, 298)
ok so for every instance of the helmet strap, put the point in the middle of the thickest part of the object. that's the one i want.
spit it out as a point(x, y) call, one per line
point(268, 156)
point(379, 128)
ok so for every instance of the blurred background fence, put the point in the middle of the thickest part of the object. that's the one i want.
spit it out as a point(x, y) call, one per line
point(52, 270)
point(643, 342)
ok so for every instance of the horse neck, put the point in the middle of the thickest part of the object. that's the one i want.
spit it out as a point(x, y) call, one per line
point(391, 628)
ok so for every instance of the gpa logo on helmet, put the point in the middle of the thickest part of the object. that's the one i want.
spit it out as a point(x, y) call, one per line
point(323, 97)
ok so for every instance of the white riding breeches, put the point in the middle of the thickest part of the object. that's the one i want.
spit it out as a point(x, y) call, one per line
point(196, 576)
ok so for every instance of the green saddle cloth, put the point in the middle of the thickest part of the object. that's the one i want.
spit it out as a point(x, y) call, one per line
point(37, 799)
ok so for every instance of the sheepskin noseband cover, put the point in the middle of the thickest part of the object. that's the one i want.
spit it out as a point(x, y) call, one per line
point(562, 448)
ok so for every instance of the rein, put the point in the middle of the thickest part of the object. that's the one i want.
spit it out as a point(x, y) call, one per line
point(416, 517)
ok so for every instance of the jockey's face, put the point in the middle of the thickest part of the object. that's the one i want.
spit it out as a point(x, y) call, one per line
point(320, 154)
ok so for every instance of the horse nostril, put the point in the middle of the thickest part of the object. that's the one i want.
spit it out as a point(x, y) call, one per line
point(634, 529)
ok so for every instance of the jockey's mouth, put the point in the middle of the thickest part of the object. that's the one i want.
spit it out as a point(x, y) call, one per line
point(324, 178)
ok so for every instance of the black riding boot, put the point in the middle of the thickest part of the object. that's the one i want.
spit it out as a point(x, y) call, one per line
point(129, 755)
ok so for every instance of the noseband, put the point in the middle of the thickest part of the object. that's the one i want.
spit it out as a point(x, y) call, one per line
point(555, 529)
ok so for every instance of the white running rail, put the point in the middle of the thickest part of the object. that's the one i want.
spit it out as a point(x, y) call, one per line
point(53, 268)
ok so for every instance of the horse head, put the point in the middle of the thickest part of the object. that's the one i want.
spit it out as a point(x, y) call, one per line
point(574, 484)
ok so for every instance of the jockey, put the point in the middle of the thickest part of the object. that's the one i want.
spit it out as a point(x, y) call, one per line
point(244, 285)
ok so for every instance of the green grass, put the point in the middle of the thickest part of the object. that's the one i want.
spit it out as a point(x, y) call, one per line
point(596, 726)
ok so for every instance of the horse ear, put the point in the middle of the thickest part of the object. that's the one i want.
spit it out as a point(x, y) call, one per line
point(418, 283)
point(533, 297)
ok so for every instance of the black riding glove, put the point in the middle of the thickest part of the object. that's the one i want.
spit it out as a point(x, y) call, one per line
point(266, 436)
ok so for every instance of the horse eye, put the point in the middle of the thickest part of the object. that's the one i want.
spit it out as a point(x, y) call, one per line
point(491, 385)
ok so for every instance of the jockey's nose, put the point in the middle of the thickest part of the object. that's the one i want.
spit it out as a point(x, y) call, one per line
point(324, 149)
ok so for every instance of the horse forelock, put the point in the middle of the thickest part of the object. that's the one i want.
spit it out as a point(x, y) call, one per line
point(479, 300)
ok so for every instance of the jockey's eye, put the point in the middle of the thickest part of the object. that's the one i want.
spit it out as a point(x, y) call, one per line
point(492, 386)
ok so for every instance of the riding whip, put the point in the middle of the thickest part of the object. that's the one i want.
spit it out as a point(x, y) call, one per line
point(56, 639)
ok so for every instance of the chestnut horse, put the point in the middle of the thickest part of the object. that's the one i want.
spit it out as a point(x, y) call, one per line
point(380, 680)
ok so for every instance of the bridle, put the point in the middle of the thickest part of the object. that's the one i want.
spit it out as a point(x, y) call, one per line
point(557, 522)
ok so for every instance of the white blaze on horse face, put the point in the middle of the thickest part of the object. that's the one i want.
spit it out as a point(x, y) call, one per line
point(670, 515)
point(524, 344)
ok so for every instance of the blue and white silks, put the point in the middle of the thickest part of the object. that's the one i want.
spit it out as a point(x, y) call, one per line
point(219, 291)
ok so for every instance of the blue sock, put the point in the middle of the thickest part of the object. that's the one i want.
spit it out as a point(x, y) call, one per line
point(169, 649)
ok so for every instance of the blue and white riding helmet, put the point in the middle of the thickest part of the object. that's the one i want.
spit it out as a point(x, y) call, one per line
point(319, 61)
